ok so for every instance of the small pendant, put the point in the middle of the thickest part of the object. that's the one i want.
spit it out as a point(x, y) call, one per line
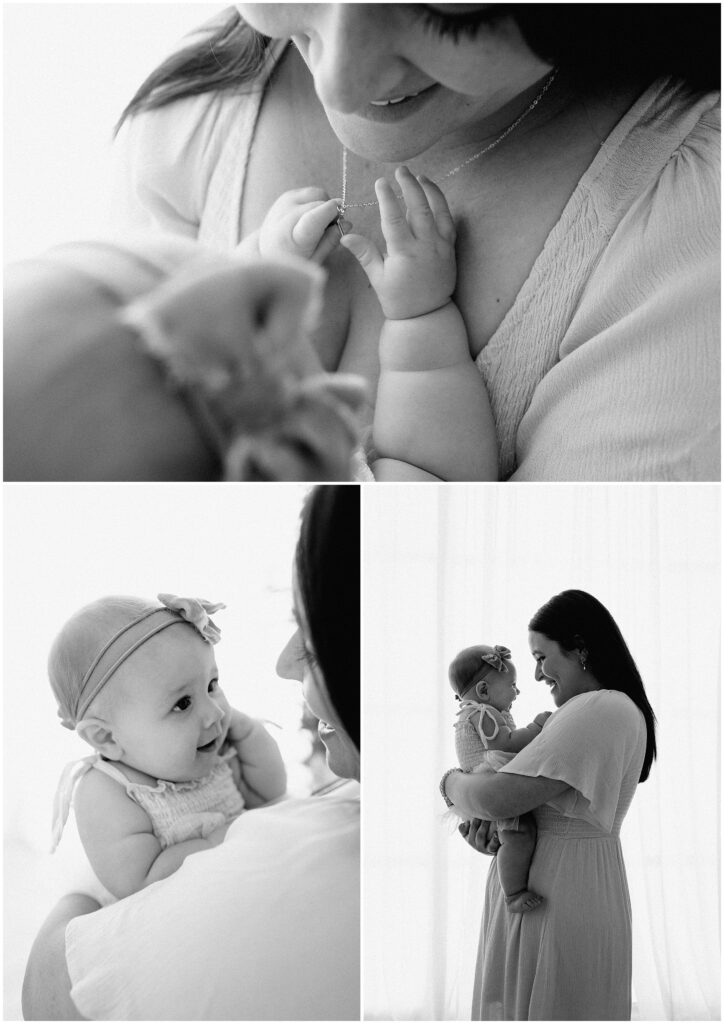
point(340, 222)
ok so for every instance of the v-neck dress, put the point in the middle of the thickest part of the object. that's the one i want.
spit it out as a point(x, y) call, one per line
point(606, 367)
point(570, 959)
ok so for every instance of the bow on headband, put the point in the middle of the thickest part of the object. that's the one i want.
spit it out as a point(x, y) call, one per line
point(196, 612)
point(497, 657)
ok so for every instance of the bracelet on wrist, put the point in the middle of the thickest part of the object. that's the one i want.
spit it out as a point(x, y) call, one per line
point(444, 779)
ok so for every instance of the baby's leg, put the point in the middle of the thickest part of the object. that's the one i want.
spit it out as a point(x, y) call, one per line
point(514, 857)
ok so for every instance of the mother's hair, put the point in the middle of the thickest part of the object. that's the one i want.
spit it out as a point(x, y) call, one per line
point(328, 572)
point(576, 620)
point(606, 43)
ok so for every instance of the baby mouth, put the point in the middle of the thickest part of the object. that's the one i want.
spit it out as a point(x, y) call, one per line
point(206, 748)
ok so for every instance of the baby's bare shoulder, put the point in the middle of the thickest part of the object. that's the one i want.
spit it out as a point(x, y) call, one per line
point(103, 808)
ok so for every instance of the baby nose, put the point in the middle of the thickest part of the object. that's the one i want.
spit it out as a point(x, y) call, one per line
point(213, 713)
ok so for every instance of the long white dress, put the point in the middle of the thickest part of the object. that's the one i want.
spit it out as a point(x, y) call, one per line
point(571, 958)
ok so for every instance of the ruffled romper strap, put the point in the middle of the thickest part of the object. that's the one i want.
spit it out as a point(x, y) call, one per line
point(108, 768)
point(69, 778)
point(468, 708)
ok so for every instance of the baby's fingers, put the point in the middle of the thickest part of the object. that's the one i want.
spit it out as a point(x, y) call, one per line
point(420, 216)
point(392, 219)
point(311, 226)
point(328, 243)
point(440, 209)
point(366, 253)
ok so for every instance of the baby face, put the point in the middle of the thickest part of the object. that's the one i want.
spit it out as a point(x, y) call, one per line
point(171, 716)
point(501, 687)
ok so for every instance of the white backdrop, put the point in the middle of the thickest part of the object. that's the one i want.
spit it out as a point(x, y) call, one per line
point(69, 70)
point(68, 544)
point(448, 567)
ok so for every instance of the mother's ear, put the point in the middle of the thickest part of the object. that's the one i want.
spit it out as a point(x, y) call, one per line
point(99, 735)
point(580, 645)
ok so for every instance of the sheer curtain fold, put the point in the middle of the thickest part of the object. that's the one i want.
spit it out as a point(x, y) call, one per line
point(451, 566)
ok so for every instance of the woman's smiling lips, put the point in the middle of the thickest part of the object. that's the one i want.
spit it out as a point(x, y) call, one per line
point(396, 108)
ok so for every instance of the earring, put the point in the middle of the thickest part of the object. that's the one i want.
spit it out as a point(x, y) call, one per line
point(582, 661)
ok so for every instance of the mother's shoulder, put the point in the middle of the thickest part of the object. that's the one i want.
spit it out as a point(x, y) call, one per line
point(613, 703)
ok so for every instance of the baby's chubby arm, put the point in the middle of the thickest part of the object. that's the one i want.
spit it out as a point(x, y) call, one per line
point(118, 838)
point(300, 223)
point(513, 740)
point(263, 775)
point(433, 418)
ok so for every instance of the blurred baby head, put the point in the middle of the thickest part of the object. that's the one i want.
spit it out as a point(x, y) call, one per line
point(157, 360)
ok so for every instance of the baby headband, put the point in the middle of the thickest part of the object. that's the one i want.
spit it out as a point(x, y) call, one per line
point(133, 635)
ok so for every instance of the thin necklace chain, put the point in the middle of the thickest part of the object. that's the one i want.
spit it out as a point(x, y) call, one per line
point(344, 205)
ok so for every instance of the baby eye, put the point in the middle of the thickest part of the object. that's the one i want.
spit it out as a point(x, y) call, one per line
point(182, 704)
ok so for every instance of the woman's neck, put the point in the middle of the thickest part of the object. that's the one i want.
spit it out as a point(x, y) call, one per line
point(568, 124)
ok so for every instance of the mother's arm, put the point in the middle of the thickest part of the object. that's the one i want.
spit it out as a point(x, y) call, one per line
point(46, 986)
point(500, 796)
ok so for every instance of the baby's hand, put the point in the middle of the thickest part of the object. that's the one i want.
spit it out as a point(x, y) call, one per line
point(240, 726)
point(301, 223)
point(542, 718)
point(418, 273)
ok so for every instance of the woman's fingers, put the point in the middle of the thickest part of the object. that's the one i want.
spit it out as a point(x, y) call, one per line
point(439, 207)
point(420, 216)
point(367, 255)
point(392, 220)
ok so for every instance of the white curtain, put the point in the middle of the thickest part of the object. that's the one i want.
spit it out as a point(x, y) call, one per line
point(449, 566)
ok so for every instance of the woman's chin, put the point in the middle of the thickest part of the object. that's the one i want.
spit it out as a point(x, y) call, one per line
point(378, 143)
point(342, 756)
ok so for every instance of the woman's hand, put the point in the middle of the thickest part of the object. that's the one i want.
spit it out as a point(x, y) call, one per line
point(418, 273)
point(481, 835)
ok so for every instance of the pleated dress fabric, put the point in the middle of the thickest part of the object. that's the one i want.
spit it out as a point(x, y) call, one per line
point(571, 958)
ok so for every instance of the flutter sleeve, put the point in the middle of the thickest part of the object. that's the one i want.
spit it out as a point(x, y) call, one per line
point(593, 743)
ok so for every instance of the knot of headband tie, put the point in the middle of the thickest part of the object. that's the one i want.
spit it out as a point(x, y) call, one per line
point(497, 658)
point(194, 611)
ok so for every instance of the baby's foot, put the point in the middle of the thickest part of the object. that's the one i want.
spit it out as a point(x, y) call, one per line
point(523, 901)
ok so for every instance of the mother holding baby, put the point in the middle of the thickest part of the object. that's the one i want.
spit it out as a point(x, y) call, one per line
point(264, 926)
point(577, 148)
point(570, 958)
